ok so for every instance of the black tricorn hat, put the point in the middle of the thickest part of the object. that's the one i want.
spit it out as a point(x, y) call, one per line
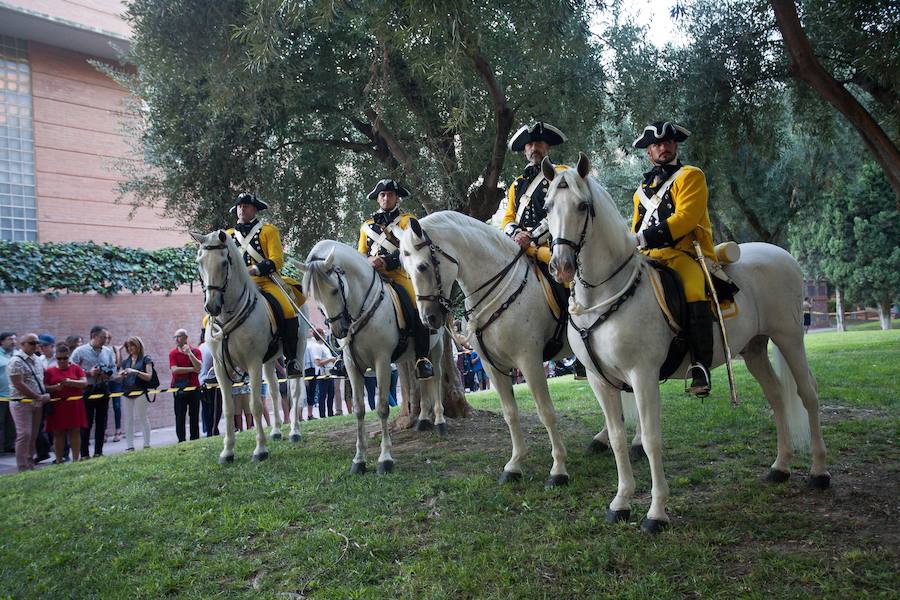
point(659, 131)
point(248, 198)
point(536, 132)
point(388, 185)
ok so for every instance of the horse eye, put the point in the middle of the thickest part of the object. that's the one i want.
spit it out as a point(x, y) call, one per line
point(422, 268)
point(334, 292)
point(583, 206)
point(406, 253)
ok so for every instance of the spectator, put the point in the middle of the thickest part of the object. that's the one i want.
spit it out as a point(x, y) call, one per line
point(371, 381)
point(807, 314)
point(73, 341)
point(115, 389)
point(283, 390)
point(26, 377)
point(240, 396)
point(67, 418)
point(323, 360)
point(7, 429)
point(136, 373)
point(309, 372)
point(185, 363)
point(211, 398)
point(481, 379)
point(46, 349)
point(97, 360)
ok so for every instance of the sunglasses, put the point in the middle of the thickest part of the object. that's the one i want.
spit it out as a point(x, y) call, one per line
point(59, 358)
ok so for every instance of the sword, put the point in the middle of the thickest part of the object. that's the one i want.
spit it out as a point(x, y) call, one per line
point(276, 278)
point(712, 287)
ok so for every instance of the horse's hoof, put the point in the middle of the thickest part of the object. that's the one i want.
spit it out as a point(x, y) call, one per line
point(424, 425)
point(275, 435)
point(385, 466)
point(509, 477)
point(777, 476)
point(653, 526)
point(357, 468)
point(557, 481)
point(614, 516)
point(597, 447)
point(819, 482)
point(224, 460)
point(261, 456)
point(637, 452)
point(442, 428)
point(295, 437)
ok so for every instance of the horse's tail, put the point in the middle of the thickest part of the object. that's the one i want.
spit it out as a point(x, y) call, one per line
point(794, 411)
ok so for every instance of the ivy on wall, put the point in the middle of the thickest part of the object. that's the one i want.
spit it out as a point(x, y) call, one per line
point(81, 267)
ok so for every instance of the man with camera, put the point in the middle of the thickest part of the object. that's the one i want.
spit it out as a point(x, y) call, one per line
point(97, 360)
point(185, 362)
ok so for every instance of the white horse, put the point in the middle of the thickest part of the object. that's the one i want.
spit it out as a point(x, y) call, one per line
point(239, 334)
point(509, 320)
point(358, 308)
point(629, 336)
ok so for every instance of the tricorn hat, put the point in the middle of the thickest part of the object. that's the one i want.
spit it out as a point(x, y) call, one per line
point(248, 198)
point(388, 185)
point(659, 131)
point(536, 132)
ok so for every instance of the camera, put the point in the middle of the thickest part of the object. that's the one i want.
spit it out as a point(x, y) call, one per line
point(106, 370)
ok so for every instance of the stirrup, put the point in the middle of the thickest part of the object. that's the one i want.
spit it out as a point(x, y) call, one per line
point(424, 369)
point(339, 369)
point(700, 381)
point(293, 369)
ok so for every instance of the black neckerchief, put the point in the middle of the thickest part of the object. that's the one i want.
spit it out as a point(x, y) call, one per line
point(663, 172)
point(385, 218)
point(530, 172)
point(245, 228)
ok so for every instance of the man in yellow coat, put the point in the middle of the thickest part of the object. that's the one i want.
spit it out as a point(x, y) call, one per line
point(260, 245)
point(670, 212)
point(379, 242)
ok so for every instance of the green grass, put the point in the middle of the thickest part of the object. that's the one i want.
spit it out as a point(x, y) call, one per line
point(172, 522)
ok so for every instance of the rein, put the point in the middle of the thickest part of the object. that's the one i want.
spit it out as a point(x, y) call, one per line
point(358, 323)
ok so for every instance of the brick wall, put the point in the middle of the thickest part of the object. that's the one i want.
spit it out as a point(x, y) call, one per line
point(152, 317)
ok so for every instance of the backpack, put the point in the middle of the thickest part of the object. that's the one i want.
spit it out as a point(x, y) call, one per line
point(154, 376)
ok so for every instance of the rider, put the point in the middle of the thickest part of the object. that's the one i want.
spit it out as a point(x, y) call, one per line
point(379, 242)
point(260, 245)
point(670, 212)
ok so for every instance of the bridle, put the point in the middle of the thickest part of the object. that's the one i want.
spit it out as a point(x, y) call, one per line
point(445, 302)
point(353, 324)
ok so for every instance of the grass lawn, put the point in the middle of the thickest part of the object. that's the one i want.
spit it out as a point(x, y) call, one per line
point(172, 522)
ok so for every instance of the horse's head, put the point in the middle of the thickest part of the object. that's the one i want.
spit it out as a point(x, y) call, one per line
point(214, 265)
point(325, 281)
point(432, 272)
point(570, 207)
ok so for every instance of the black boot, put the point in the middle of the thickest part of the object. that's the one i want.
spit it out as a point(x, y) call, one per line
point(700, 340)
point(579, 370)
point(338, 369)
point(289, 345)
point(421, 342)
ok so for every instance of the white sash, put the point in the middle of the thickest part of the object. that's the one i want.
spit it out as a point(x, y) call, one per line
point(652, 203)
point(525, 200)
point(380, 240)
point(245, 242)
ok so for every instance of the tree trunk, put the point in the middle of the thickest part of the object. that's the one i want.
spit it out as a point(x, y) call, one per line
point(839, 309)
point(805, 66)
point(884, 313)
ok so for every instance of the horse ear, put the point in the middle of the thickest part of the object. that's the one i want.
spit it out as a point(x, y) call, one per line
point(329, 261)
point(222, 236)
point(198, 237)
point(548, 169)
point(416, 227)
point(301, 266)
point(584, 165)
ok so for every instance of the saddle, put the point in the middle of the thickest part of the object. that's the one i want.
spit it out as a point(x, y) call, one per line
point(276, 322)
point(406, 317)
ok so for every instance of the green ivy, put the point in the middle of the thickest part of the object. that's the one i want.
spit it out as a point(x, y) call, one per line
point(81, 267)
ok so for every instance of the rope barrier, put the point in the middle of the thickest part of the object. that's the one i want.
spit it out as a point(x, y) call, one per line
point(154, 392)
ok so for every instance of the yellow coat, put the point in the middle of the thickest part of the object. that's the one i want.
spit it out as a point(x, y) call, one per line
point(539, 251)
point(393, 269)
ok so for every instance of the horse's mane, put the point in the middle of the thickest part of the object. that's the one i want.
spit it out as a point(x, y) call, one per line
point(237, 261)
point(343, 255)
point(610, 225)
point(442, 220)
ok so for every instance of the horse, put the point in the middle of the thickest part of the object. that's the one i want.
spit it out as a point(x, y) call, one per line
point(509, 320)
point(239, 334)
point(357, 306)
point(623, 337)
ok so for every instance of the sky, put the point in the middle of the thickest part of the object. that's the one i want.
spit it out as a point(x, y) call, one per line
point(653, 13)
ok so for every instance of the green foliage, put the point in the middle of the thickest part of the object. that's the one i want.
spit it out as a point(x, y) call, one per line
point(81, 267)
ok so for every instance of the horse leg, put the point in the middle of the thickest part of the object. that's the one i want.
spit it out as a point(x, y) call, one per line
point(756, 358)
point(791, 347)
point(533, 370)
point(256, 407)
point(646, 391)
point(297, 390)
point(272, 380)
point(600, 442)
point(358, 466)
point(227, 454)
point(383, 377)
point(611, 403)
point(433, 389)
point(513, 469)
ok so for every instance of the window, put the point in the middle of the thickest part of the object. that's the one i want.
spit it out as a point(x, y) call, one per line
point(18, 212)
